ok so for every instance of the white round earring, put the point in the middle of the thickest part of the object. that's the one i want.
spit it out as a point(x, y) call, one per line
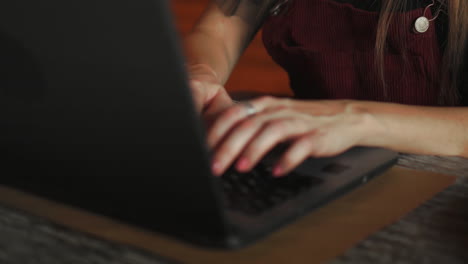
point(422, 23)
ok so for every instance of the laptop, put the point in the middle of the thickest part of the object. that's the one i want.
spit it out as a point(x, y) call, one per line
point(96, 113)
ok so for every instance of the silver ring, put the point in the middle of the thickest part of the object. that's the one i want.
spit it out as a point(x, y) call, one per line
point(251, 110)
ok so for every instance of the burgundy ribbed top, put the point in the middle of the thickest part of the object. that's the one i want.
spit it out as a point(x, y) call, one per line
point(327, 48)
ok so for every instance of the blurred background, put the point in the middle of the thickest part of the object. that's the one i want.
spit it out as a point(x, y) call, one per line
point(256, 71)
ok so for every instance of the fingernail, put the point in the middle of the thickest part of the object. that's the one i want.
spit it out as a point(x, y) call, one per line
point(216, 168)
point(278, 171)
point(243, 164)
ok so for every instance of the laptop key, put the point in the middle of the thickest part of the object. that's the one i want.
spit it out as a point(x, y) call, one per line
point(256, 192)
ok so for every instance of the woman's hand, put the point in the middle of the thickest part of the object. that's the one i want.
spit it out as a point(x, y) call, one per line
point(314, 129)
point(209, 95)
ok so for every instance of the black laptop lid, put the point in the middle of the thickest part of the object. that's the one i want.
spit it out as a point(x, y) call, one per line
point(94, 110)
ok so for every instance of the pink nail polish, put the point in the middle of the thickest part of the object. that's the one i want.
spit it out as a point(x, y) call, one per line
point(243, 164)
point(277, 171)
point(216, 168)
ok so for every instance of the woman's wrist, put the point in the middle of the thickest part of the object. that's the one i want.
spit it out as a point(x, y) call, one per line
point(372, 130)
point(203, 71)
point(412, 129)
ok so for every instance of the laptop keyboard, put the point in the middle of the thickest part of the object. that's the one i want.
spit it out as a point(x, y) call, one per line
point(258, 191)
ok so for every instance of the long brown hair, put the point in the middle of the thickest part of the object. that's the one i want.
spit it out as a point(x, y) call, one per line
point(457, 13)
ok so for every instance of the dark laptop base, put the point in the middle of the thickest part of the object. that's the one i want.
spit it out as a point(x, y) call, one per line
point(295, 209)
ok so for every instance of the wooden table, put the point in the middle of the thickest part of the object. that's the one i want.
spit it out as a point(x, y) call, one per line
point(436, 232)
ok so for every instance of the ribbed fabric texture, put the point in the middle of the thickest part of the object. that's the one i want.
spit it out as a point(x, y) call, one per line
point(327, 48)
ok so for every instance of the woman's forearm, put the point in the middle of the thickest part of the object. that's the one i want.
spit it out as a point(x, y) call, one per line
point(416, 129)
point(206, 53)
point(216, 43)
